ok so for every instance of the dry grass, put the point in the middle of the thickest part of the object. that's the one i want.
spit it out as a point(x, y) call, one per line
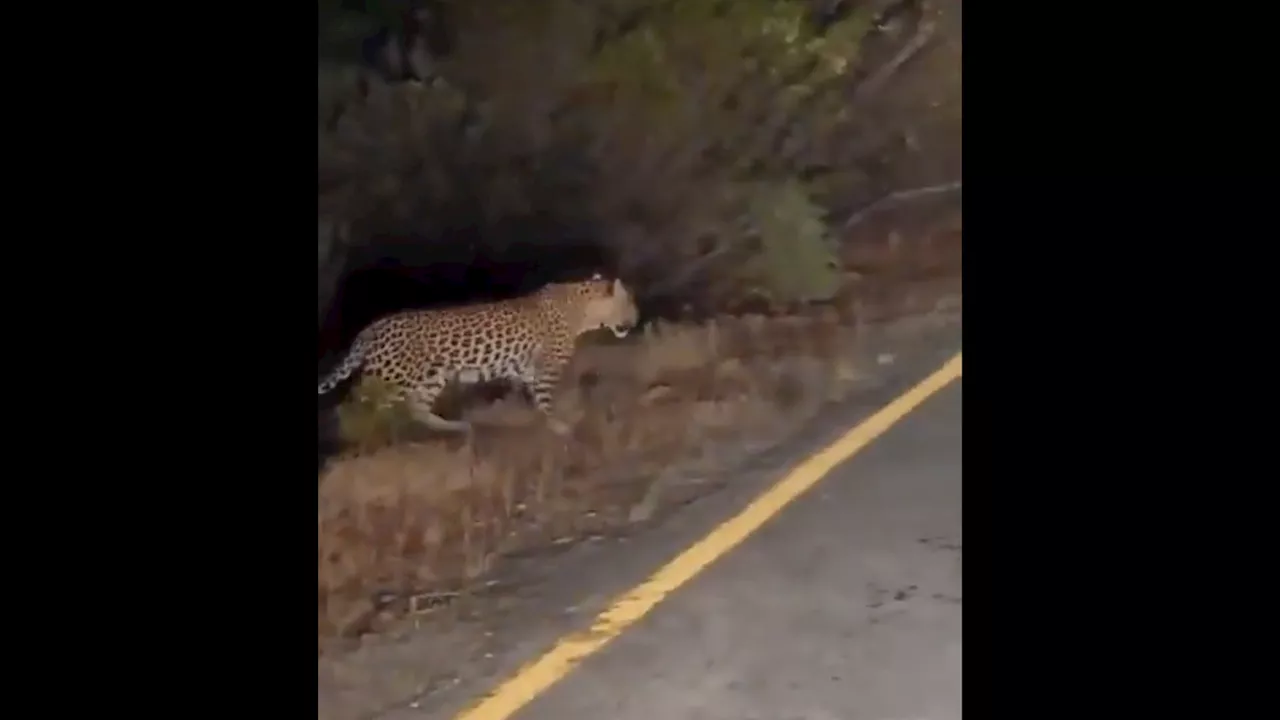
point(435, 515)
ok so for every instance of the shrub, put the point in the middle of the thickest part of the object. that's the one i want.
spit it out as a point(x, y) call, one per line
point(795, 259)
point(699, 144)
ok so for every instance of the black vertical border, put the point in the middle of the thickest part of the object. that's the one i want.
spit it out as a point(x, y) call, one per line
point(220, 317)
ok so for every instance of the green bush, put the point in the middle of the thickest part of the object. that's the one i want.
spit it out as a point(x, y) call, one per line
point(796, 259)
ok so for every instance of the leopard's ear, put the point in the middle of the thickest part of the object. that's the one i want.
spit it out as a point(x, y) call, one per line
point(597, 276)
point(615, 288)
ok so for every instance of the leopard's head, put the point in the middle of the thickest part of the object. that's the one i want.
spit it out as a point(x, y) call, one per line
point(606, 304)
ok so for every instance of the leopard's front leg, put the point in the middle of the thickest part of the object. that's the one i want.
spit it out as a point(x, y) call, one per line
point(542, 379)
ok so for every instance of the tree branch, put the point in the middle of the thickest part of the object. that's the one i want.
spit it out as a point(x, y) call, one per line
point(897, 197)
point(909, 50)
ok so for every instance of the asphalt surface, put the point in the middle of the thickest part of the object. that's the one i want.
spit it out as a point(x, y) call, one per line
point(846, 606)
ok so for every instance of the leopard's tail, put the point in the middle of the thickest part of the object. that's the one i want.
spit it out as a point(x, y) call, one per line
point(351, 363)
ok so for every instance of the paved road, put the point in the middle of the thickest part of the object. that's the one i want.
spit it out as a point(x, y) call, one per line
point(847, 606)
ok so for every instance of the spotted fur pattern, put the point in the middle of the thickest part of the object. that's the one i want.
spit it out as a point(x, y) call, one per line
point(528, 340)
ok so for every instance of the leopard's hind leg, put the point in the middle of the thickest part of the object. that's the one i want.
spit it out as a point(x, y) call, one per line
point(422, 399)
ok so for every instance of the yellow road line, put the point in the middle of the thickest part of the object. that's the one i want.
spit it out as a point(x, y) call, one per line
point(534, 678)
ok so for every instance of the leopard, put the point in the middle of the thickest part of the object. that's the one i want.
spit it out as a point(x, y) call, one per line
point(528, 340)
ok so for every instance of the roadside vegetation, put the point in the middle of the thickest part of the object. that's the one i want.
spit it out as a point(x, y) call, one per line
point(768, 176)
